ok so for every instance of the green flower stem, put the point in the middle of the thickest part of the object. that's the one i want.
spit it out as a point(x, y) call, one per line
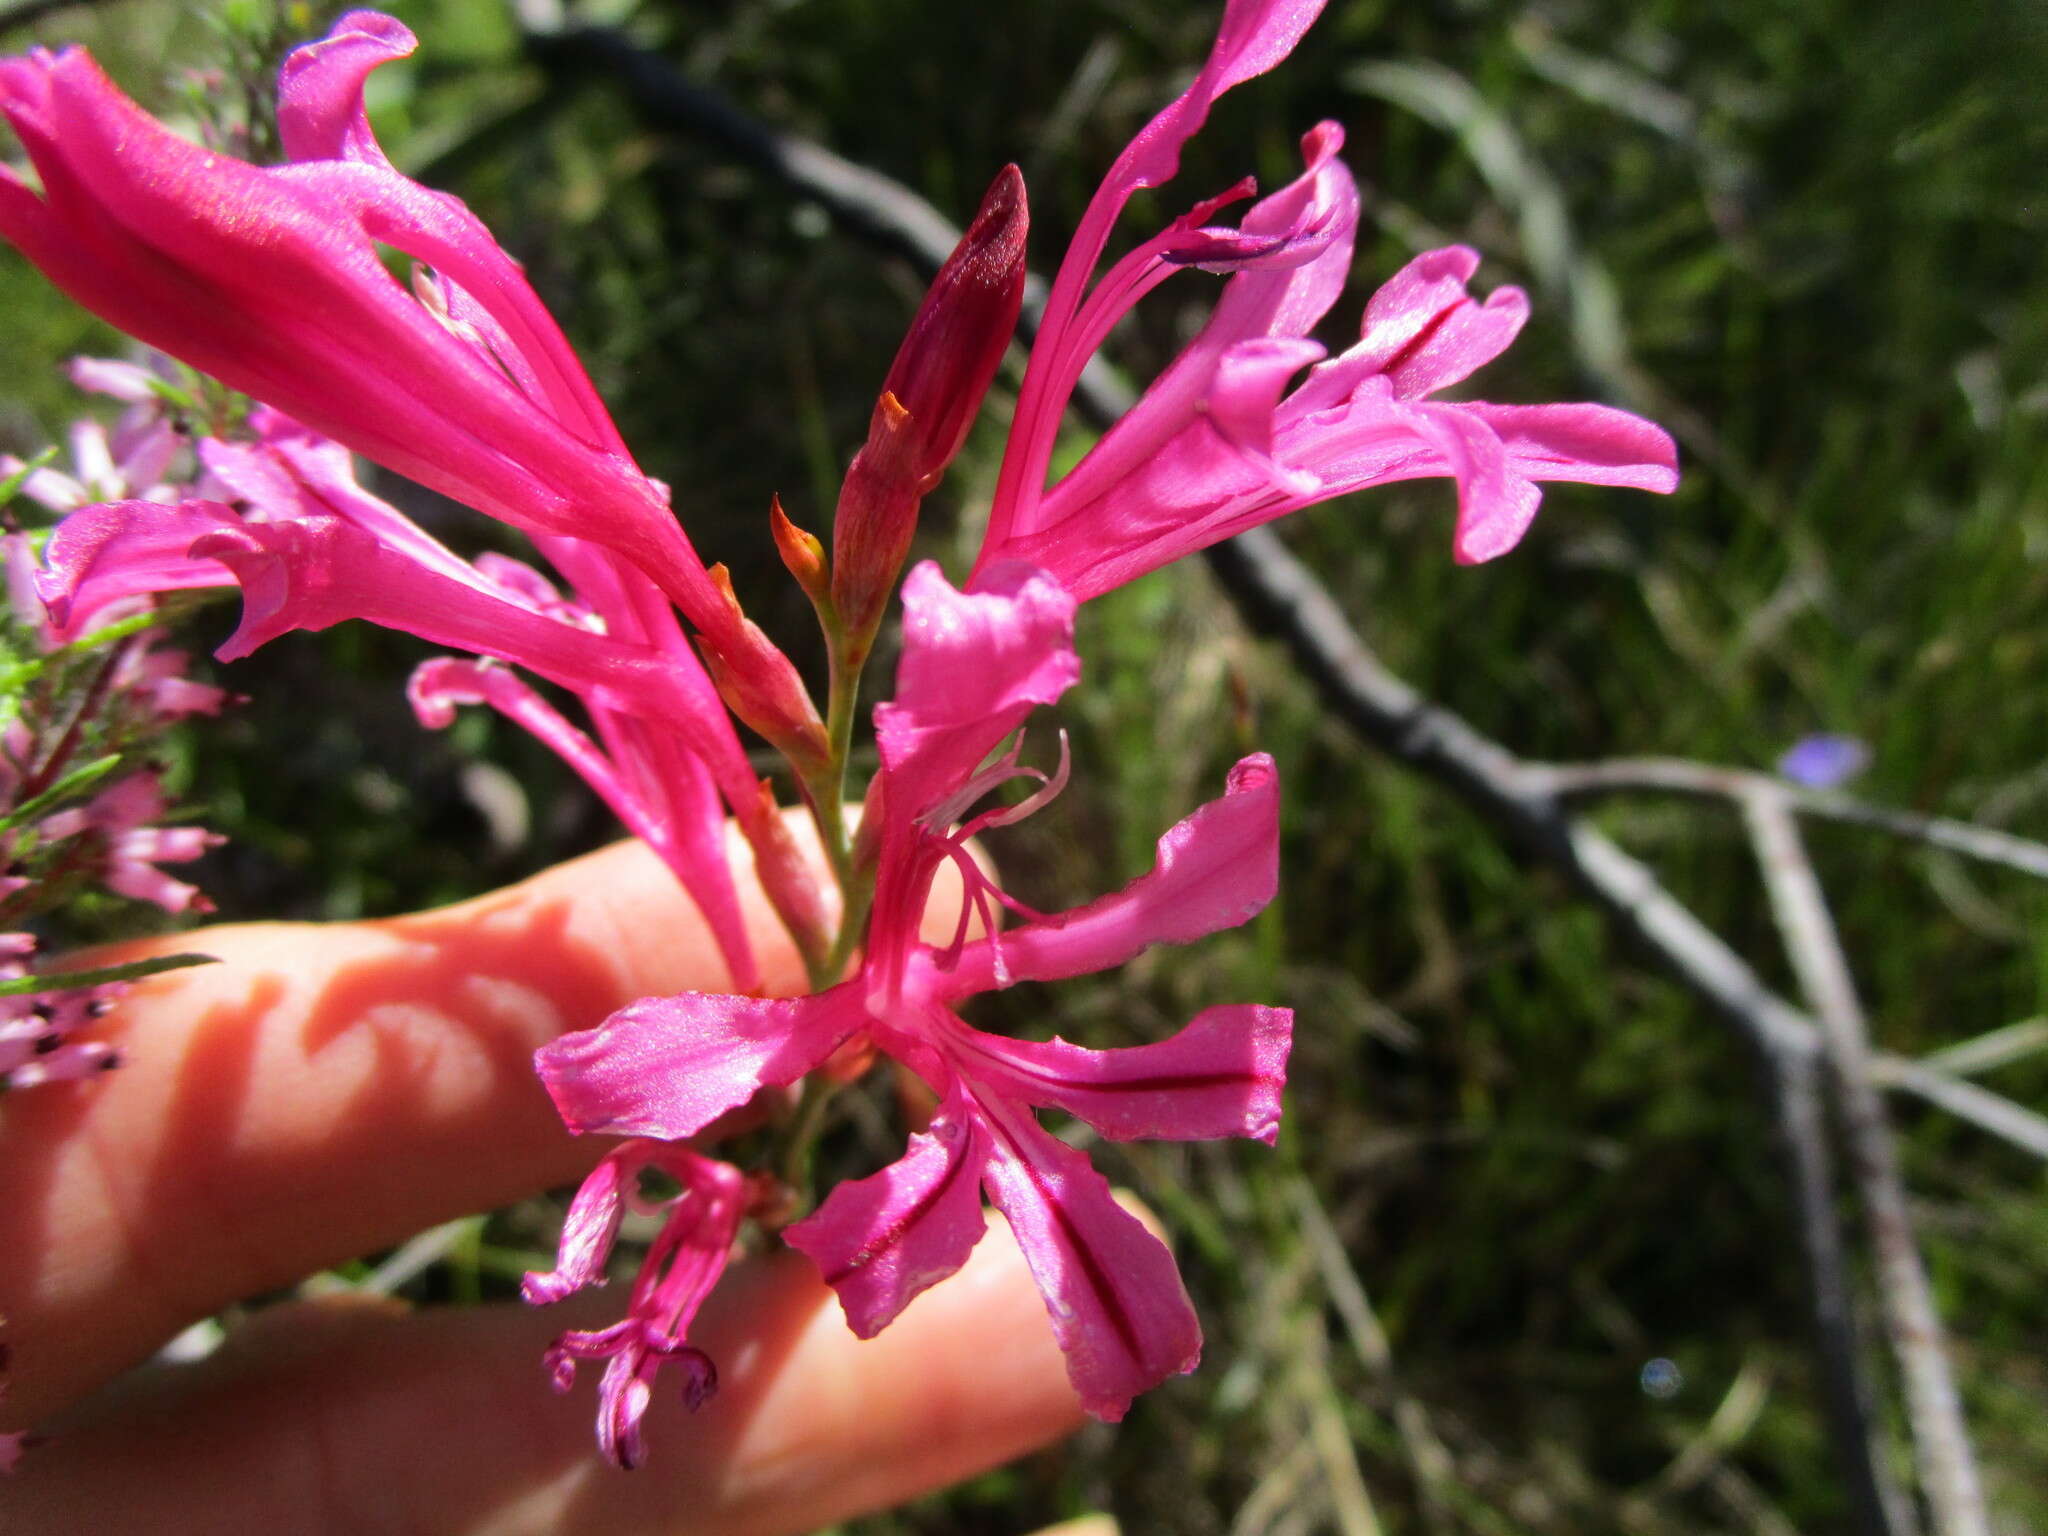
point(826, 792)
point(800, 1140)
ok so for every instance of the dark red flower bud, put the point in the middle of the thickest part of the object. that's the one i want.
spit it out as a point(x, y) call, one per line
point(957, 340)
point(932, 395)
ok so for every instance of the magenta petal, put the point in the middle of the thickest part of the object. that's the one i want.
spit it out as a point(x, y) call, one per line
point(1222, 1075)
point(974, 665)
point(1591, 444)
point(589, 1227)
point(1250, 379)
point(117, 550)
point(1465, 339)
point(1216, 869)
point(1116, 1300)
point(1255, 36)
point(1496, 504)
point(881, 1240)
point(1081, 523)
point(320, 112)
point(669, 1066)
point(693, 846)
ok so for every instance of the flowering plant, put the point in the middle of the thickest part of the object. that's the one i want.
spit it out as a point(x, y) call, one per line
point(272, 280)
point(80, 709)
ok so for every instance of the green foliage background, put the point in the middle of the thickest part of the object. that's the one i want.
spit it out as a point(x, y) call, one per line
point(1808, 238)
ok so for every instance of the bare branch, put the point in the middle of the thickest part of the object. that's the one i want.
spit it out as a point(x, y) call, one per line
point(1941, 1441)
point(1670, 775)
point(1984, 1109)
point(1995, 1048)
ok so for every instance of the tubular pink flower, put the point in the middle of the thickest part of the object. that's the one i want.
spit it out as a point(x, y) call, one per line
point(271, 279)
point(974, 665)
point(309, 547)
point(1255, 36)
point(679, 1271)
point(1225, 439)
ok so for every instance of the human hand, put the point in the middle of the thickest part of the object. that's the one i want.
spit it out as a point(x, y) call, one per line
point(331, 1089)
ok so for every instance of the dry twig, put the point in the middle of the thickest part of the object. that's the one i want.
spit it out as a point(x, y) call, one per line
point(1941, 1441)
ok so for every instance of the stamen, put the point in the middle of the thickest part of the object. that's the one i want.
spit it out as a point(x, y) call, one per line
point(1038, 800)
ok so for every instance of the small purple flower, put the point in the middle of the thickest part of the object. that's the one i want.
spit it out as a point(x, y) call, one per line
point(1824, 761)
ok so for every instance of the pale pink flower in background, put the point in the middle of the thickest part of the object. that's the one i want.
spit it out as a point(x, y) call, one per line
point(37, 1030)
point(130, 460)
point(120, 816)
point(974, 665)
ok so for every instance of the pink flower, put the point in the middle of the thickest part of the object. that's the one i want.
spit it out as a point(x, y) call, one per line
point(271, 279)
point(37, 1043)
point(974, 666)
point(1224, 439)
point(310, 547)
point(106, 466)
point(120, 815)
point(679, 1271)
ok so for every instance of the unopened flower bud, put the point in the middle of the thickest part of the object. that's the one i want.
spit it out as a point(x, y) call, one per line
point(957, 340)
point(930, 399)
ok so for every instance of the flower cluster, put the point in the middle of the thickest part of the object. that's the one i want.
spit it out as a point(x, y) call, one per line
point(80, 707)
point(271, 279)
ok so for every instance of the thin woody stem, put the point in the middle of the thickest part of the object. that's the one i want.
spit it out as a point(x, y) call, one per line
point(1941, 1441)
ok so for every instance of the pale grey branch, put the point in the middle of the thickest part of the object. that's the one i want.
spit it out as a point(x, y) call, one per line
point(1934, 1411)
point(1672, 775)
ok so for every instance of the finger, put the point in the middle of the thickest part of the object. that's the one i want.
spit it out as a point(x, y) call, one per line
point(323, 1091)
point(440, 1421)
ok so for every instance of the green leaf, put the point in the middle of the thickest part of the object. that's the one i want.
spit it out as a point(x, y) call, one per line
point(99, 976)
point(78, 779)
point(11, 486)
point(120, 629)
